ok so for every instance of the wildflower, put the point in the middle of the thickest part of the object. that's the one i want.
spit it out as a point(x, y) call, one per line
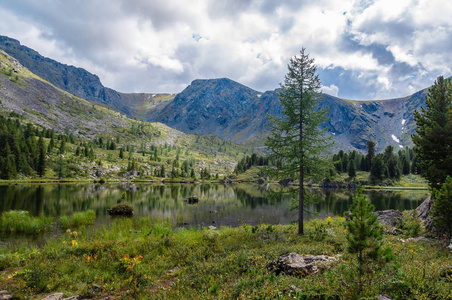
point(74, 243)
point(88, 259)
point(75, 234)
point(68, 231)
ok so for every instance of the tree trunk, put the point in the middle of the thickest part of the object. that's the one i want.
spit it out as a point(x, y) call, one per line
point(301, 188)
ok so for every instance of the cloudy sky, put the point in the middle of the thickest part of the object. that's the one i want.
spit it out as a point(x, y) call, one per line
point(363, 49)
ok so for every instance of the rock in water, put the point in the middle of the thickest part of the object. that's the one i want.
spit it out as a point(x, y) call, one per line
point(299, 265)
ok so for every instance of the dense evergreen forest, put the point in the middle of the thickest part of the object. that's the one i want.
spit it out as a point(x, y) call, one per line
point(28, 151)
point(390, 164)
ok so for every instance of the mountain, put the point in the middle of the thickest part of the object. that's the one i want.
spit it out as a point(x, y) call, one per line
point(220, 106)
point(235, 112)
point(78, 81)
point(31, 99)
point(229, 109)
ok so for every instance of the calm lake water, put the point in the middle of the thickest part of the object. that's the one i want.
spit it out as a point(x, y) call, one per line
point(219, 205)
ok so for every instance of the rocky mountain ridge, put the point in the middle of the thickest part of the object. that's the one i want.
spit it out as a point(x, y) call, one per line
point(229, 109)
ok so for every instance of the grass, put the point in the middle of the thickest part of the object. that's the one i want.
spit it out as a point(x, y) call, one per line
point(21, 222)
point(79, 218)
point(139, 259)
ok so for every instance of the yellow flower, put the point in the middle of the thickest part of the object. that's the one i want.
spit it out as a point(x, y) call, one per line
point(88, 259)
point(74, 243)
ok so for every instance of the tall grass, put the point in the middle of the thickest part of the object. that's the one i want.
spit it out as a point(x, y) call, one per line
point(79, 218)
point(21, 221)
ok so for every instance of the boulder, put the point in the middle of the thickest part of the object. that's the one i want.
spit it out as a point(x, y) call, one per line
point(4, 295)
point(389, 217)
point(383, 297)
point(56, 296)
point(423, 212)
point(192, 199)
point(299, 265)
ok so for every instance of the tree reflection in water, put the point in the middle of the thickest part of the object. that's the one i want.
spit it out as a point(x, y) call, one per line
point(219, 204)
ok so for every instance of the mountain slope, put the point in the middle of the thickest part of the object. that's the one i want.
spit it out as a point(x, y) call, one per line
point(219, 106)
point(78, 81)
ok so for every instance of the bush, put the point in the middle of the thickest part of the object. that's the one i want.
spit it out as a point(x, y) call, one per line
point(121, 209)
point(411, 224)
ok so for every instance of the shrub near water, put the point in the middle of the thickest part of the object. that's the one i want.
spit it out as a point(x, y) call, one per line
point(21, 221)
point(79, 218)
point(121, 209)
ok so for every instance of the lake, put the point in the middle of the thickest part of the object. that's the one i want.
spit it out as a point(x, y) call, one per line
point(219, 204)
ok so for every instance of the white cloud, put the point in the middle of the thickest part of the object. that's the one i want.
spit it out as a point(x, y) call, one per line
point(330, 90)
point(385, 48)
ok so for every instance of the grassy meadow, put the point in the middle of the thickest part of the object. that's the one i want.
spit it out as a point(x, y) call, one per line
point(139, 259)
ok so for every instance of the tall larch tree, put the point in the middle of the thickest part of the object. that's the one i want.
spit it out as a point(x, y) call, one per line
point(296, 139)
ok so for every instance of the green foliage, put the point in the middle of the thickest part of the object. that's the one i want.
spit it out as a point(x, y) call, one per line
point(364, 238)
point(249, 161)
point(79, 218)
point(121, 209)
point(433, 138)
point(411, 225)
point(296, 139)
point(137, 259)
point(442, 208)
point(21, 221)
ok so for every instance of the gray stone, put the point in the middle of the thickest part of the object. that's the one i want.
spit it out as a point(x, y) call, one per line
point(383, 297)
point(423, 212)
point(5, 296)
point(389, 217)
point(56, 296)
point(72, 298)
point(418, 239)
point(295, 264)
point(95, 288)
point(394, 231)
point(450, 247)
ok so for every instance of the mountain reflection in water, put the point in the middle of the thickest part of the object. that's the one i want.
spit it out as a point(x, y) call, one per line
point(218, 205)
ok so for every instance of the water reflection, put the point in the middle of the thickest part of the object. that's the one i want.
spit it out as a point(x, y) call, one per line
point(219, 204)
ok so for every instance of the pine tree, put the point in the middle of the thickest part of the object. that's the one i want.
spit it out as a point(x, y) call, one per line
point(433, 138)
point(442, 208)
point(365, 237)
point(370, 154)
point(351, 169)
point(63, 146)
point(296, 139)
point(41, 168)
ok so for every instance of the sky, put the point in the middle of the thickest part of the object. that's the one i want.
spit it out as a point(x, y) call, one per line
point(363, 50)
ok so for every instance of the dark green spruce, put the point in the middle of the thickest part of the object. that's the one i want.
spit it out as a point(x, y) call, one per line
point(433, 138)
